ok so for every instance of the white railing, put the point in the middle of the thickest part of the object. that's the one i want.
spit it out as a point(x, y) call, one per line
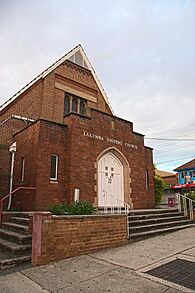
point(114, 205)
point(186, 205)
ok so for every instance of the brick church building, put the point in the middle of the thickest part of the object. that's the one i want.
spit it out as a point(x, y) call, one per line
point(59, 139)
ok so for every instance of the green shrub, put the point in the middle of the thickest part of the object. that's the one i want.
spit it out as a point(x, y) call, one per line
point(158, 188)
point(58, 209)
point(82, 208)
point(76, 208)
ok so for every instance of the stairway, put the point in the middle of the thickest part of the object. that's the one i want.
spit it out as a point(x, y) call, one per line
point(147, 223)
point(15, 240)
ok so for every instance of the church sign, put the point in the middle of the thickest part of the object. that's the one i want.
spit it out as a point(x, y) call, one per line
point(114, 141)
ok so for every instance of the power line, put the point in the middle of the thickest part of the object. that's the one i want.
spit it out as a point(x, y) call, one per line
point(174, 160)
point(171, 139)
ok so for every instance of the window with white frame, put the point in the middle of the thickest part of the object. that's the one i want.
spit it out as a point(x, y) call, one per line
point(22, 168)
point(54, 167)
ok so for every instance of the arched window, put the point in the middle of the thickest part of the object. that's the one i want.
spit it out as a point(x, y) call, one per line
point(66, 104)
point(74, 104)
point(82, 107)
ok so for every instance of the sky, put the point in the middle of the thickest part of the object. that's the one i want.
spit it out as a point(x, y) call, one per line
point(143, 52)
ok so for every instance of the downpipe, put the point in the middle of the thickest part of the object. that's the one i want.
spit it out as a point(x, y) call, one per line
point(12, 150)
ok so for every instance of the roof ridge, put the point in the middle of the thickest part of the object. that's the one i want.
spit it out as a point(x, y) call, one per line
point(190, 164)
point(51, 68)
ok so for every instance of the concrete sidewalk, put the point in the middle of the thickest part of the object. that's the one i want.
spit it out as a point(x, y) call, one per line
point(122, 269)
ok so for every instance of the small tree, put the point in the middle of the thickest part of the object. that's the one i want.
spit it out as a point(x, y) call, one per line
point(159, 186)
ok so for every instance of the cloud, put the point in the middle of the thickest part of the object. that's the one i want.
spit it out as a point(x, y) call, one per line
point(143, 52)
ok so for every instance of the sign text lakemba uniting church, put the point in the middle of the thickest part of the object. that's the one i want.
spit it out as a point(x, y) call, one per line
point(115, 141)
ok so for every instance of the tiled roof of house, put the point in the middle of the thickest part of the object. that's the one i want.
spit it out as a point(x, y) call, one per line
point(164, 173)
point(188, 165)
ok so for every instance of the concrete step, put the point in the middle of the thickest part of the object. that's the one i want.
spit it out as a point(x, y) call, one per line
point(153, 215)
point(153, 211)
point(15, 248)
point(20, 220)
point(157, 226)
point(146, 234)
point(15, 227)
point(141, 221)
point(15, 236)
point(9, 261)
point(21, 214)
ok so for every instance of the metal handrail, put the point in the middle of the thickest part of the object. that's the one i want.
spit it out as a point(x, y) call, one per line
point(10, 194)
point(182, 202)
point(118, 207)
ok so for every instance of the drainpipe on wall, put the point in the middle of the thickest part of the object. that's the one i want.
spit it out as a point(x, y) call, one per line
point(12, 150)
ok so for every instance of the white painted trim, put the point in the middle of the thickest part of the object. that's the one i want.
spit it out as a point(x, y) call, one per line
point(12, 150)
point(75, 92)
point(56, 168)
point(52, 67)
point(16, 117)
point(95, 77)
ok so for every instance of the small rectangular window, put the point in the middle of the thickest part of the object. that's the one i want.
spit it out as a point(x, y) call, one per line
point(193, 173)
point(22, 168)
point(147, 179)
point(54, 167)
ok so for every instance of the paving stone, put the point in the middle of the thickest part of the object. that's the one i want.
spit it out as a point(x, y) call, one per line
point(145, 252)
point(68, 272)
point(190, 252)
point(18, 283)
point(120, 280)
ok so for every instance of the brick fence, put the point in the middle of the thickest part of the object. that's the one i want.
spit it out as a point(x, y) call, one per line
point(59, 237)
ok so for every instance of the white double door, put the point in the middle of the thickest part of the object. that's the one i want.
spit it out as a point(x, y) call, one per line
point(110, 181)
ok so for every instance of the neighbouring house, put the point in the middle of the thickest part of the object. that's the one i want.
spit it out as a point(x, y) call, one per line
point(186, 173)
point(59, 135)
point(168, 177)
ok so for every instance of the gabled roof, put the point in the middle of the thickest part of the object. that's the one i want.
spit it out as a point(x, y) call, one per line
point(76, 55)
point(165, 174)
point(188, 165)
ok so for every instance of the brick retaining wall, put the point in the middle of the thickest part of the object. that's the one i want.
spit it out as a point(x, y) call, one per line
point(59, 237)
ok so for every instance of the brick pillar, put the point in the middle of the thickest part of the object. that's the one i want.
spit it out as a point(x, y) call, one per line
point(38, 219)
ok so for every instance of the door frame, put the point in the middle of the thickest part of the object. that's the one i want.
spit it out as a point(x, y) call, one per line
point(127, 190)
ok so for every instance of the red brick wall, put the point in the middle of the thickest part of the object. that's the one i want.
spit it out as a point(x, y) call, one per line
point(27, 105)
point(82, 150)
point(27, 147)
point(52, 140)
point(36, 144)
point(56, 238)
point(78, 159)
point(43, 100)
point(81, 79)
point(75, 77)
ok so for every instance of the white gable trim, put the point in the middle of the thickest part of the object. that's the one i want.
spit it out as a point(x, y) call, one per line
point(55, 65)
